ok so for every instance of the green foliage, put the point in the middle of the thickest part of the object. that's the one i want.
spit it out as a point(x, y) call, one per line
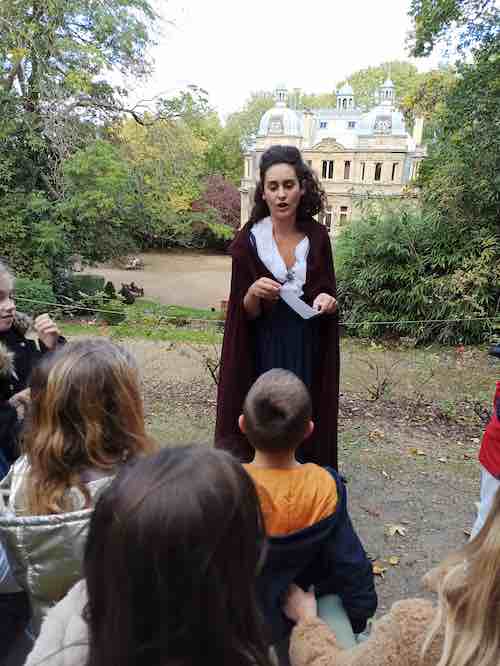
point(218, 235)
point(70, 45)
point(113, 312)
point(33, 290)
point(313, 101)
point(426, 98)
point(471, 23)
point(97, 208)
point(365, 82)
point(34, 243)
point(55, 62)
point(245, 123)
point(84, 283)
point(407, 266)
point(460, 177)
point(144, 309)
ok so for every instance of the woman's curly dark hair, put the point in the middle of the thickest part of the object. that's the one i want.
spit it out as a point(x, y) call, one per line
point(314, 198)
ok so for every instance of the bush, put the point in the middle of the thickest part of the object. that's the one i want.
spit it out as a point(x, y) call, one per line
point(86, 291)
point(87, 284)
point(113, 312)
point(34, 290)
point(405, 266)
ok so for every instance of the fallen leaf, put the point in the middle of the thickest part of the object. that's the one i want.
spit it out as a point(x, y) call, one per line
point(443, 460)
point(376, 434)
point(467, 532)
point(378, 568)
point(393, 529)
point(417, 452)
point(394, 560)
point(384, 473)
point(475, 440)
point(468, 456)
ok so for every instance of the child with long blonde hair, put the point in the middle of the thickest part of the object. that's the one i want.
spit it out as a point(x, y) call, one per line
point(85, 422)
point(464, 629)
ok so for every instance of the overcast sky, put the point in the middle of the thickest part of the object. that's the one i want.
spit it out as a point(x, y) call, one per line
point(234, 47)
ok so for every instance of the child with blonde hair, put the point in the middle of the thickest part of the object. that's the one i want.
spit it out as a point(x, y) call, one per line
point(85, 422)
point(463, 630)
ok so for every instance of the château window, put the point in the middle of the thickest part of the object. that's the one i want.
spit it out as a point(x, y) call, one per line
point(351, 124)
point(309, 163)
point(327, 169)
point(363, 167)
point(328, 219)
point(323, 124)
point(394, 170)
point(347, 169)
point(378, 170)
point(343, 214)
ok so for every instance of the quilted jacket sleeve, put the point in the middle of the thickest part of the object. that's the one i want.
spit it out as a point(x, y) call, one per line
point(63, 639)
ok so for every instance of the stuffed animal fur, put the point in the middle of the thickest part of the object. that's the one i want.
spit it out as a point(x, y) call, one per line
point(22, 324)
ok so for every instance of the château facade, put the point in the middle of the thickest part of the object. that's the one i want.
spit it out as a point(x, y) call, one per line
point(356, 154)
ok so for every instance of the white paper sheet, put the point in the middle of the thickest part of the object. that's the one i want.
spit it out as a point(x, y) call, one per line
point(298, 305)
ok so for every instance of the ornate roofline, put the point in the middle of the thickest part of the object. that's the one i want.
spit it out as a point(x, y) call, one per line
point(328, 146)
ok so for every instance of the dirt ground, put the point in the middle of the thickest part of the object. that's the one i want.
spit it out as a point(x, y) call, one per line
point(193, 279)
point(410, 457)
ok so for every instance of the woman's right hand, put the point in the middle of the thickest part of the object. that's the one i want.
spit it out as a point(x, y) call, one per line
point(299, 605)
point(265, 288)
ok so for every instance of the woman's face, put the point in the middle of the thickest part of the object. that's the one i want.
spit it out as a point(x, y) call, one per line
point(7, 305)
point(282, 191)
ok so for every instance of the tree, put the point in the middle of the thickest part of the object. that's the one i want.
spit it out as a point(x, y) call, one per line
point(411, 267)
point(366, 81)
point(300, 100)
point(69, 46)
point(427, 97)
point(58, 59)
point(460, 175)
point(459, 178)
point(223, 197)
point(471, 23)
point(245, 123)
point(97, 212)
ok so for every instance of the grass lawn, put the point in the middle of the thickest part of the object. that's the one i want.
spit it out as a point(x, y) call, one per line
point(150, 320)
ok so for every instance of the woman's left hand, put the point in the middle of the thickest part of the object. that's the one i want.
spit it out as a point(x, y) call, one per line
point(47, 330)
point(325, 303)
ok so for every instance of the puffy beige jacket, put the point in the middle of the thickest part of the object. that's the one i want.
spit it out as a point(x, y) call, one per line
point(63, 640)
point(45, 552)
point(396, 640)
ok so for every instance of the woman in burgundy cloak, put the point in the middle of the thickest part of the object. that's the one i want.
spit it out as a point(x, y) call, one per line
point(282, 248)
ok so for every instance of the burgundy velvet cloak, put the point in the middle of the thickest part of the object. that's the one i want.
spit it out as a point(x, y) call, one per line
point(237, 371)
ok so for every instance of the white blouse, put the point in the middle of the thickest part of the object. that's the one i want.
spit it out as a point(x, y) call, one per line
point(292, 278)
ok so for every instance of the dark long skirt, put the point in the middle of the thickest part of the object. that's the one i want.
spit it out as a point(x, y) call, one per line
point(284, 340)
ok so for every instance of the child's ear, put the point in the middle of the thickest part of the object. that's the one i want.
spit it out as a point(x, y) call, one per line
point(242, 423)
point(309, 430)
